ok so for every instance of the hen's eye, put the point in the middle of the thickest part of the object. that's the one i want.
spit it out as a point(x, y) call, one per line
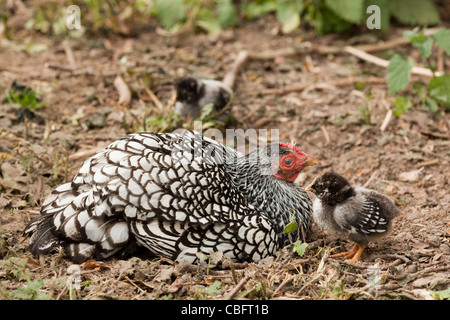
point(287, 162)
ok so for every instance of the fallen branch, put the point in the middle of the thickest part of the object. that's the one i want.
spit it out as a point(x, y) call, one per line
point(385, 63)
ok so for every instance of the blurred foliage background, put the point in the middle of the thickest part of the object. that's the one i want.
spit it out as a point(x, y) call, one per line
point(129, 17)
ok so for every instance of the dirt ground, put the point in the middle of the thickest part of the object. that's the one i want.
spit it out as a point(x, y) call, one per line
point(408, 161)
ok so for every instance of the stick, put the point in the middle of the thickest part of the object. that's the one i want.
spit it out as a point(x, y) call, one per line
point(428, 163)
point(282, 284)
point(124, 91)
point(372, 177)
point(386, 120)
point(325, 134)
point(385, 63)
point(440, 60)
point(392, 43)
point(85, 153)
point(230, 77)
point(335, 83)
point(237, 288)
point(69, 55)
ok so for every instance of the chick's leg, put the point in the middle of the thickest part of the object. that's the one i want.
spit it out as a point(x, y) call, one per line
point(347, 254)
point(357, 255)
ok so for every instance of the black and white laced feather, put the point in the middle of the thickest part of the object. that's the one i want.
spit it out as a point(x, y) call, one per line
point(173, 194)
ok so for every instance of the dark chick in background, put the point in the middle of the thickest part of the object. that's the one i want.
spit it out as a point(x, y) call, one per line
point(354, 213)
point(192, 95)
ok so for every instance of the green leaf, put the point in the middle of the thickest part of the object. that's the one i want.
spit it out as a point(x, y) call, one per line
point(399, 70)
point(430, 104)
point(439, 89)
point(419, 40)
point(421, 12)
point(169, 12)
point(350, 10)
point(226, 13)
point(442, 37)
point(291, 227)
point(208, 22)
point(299, 247)
point(213, 290)
point(441, 295)
point(208, 110)
point(401, 105)
point(255, 9)
point(288, 13)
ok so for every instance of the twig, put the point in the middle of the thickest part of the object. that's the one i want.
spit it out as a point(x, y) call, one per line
point(85, 153)
point(230, 77)
point(135, 285)
point(372, 177)
point(59, 67)
point(69, 55)
point(428, 163)
point(435, 134)
point(303, 86)
point(154, 98)
point(385, 63)
point(432, 269)
point(282, 284)
point(390, 256)
point(392, 43)
point(325, 134)
point(440, 60)
point(124, 91)
point(236, 289)
point(386, 120)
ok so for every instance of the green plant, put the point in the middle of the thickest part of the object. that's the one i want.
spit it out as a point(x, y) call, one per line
point(401, 104)
point(399, 72)
point(299, 247)
point(441, 295)
point(32, 291)
point(291, 226)
point(25, 97)
point(16, 267)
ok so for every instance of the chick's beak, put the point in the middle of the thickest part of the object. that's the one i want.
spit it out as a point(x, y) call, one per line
point(310, 187)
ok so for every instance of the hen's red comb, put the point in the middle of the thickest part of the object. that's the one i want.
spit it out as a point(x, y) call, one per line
point(292, 146)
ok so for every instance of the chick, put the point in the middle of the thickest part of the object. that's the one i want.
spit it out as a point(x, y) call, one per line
point(354, 213)
point(193, 94)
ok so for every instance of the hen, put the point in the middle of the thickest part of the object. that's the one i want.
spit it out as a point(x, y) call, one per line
point(175, 194)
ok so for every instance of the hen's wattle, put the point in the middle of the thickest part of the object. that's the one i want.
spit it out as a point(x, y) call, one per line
point(174, 194)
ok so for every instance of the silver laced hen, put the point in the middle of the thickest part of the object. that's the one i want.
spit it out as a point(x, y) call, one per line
point(175, 194)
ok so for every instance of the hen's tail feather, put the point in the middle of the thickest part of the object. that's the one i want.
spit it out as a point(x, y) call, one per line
point(43, 239)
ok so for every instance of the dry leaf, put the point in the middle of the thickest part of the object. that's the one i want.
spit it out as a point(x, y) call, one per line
point(92, 264)
point(410, 176)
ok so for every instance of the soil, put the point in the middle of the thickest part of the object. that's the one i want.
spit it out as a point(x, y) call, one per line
point(408, 161)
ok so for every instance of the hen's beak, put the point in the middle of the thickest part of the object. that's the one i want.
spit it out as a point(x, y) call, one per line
point(310, 161)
